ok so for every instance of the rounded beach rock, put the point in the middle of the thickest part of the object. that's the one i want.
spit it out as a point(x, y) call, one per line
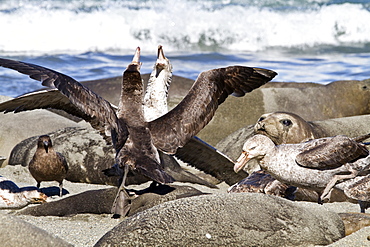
point(16, 232)
point(228, 220)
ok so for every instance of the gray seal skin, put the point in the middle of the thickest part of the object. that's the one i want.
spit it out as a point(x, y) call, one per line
point(285, 127)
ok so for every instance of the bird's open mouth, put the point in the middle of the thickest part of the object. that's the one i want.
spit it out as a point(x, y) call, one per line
point(241, 162)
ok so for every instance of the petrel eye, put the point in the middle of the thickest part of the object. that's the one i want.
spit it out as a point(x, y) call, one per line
point(260, 119)
point(286, 122)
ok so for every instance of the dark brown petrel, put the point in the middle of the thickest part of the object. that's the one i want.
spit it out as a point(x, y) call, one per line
point(136, 141)
point(48, 165)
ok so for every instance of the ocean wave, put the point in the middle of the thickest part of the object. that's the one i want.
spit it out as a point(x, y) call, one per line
point(46, 27)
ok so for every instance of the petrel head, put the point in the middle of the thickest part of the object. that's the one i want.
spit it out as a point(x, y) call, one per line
point(162, 62)
point(44, 142)
point(255, 147)
point(135, 64)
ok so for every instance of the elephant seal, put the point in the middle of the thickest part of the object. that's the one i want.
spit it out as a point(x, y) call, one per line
point(349, 126)
point(100, 201)
point(286, 127)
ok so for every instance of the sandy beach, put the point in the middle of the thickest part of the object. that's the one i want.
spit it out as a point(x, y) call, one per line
point(86, 229)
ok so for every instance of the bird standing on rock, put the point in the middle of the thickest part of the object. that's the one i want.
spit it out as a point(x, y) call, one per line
point(48, 165)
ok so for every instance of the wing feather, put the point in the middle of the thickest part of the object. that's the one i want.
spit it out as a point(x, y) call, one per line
point(193, 113)
point(95, 107)
point(331, 153)
point(208, 159)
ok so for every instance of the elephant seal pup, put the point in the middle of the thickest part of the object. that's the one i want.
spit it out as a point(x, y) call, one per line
point(286, 127)
point(100, 201)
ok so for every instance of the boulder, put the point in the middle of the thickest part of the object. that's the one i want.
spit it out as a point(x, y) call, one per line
point(16, 232)
point(245, 219)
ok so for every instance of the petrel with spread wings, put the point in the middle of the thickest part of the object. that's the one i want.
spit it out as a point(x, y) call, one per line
point(136, 141)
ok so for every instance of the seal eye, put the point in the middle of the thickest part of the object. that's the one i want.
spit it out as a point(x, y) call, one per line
point(286, 122)
point(261, 119)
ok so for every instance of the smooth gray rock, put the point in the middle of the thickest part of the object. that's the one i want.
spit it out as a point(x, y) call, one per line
point(15, 232)
point(245, 219)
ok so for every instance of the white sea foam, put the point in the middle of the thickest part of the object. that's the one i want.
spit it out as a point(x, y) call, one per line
point(72, 26)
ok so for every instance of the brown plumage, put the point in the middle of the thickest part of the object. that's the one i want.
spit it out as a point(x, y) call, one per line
point(361, 192)
point(48, 165)
point(136, 141)
point(262, 182)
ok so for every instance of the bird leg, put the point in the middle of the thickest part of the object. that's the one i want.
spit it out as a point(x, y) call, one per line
point(122, 202)
point(363, 205)
point(61, 188)
point(333, 181)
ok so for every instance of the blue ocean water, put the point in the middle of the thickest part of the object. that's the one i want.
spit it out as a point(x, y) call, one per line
point(303, 40)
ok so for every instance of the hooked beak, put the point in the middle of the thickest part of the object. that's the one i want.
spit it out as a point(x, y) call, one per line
point(136, 58)
point(241, 161)
point(135, 63)
point(161, 61)
point(160, 54)
point(46, 146)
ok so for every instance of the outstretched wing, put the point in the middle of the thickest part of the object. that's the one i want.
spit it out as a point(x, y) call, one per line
point(86, 101)
point(208, 159)
point(331, 152)
point(41, 99)
point(193, 113)
point(51, 98)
